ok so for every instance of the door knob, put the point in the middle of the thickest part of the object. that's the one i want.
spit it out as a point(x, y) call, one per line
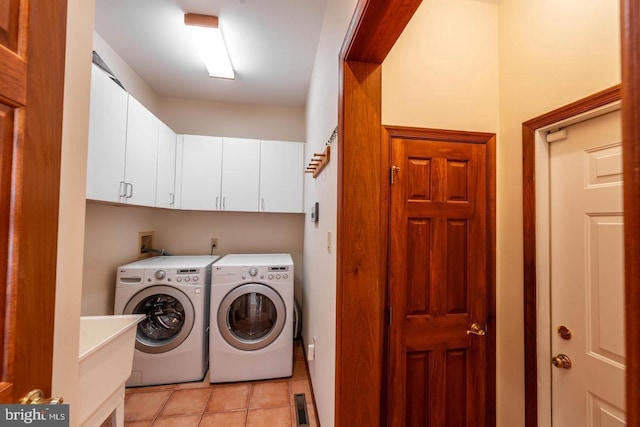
point(561, 361)
point(476, 329)
point(36, 397)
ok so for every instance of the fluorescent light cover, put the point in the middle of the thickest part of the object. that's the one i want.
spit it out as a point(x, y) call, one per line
point(212, 49)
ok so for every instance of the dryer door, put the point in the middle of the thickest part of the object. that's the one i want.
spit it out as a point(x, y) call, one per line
point(170, 316)
point(251, 316)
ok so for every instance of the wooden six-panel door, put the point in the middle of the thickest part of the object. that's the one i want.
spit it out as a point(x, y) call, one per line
point(439, 284)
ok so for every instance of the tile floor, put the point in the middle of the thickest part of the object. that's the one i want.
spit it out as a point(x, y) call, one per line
point(245, 404)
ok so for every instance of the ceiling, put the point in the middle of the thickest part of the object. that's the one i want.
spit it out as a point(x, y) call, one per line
point(272, 44)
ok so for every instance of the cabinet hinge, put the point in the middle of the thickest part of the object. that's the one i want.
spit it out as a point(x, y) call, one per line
point(393, 172)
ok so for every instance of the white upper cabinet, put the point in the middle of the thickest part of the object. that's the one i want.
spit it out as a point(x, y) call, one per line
point(123, 145)
point(281, 176)
point(166, 174)
point(141, 155)
point(107, 138)
point(240, 174)
point(199, 172)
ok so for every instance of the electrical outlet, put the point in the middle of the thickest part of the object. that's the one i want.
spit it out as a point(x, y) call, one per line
point(311, 350)
point(214, 243)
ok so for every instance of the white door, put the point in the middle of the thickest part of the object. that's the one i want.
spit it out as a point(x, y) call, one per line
point(200, 164)
point(240, 174)
point(166, 175)
point(587, 275)
point(281, 176)
point(107, 138)
point(142, 155)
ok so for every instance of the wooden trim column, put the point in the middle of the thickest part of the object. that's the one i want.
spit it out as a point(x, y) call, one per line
point(630, 18)
point(362, 234)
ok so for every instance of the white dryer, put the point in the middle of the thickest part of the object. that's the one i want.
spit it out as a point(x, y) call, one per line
point(173, 293)
point(251, 335)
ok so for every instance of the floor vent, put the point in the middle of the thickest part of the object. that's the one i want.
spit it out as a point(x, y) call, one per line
point(302, 417)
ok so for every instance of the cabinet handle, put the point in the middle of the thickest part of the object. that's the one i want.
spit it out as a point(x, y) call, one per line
point(130, 191)
point(123, 189)
point(224, 203)
point(172, 198)
point(217, 197)
point(263, 204)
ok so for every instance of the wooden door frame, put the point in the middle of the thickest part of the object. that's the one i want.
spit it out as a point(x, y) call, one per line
point(361, 271)
point(530, 203)
point(630, 30)
point(362, 235)
point(30, 282)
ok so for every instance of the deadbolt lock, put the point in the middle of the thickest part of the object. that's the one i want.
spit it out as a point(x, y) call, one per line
point(564, 332)
point(561, 361)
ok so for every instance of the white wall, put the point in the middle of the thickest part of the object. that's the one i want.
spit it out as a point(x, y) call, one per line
point(132, 82)
point(319, 310)
point(489, 66)
point(200, 117)
point(75, 128)
point(443, 70)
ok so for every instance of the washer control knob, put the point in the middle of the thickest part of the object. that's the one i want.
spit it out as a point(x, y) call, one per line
point(270, 276)
point(178, 279)
point(195, 278)
point(277, 276)
point(285, 276)
point(186, 279)
point(160, 274)
point(253, 271)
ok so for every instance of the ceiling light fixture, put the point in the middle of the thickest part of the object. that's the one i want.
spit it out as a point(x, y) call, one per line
point(210, 44)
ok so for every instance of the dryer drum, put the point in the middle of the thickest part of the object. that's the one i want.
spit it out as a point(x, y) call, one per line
point(251, 316)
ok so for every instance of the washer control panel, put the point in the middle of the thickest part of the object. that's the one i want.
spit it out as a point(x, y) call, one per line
point(185, 276)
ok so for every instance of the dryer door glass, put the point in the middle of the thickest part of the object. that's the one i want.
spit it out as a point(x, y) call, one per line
point(251, 316)
point(169, 318)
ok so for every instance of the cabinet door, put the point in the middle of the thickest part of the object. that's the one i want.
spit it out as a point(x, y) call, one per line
point(141, 155)
point(200, 178)
point(281, 176)
point(240, 174)
point(166, 177)
point(107, 137)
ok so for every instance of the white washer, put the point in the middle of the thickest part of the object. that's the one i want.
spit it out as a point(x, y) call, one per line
point(173, 292)
point(251, 336)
